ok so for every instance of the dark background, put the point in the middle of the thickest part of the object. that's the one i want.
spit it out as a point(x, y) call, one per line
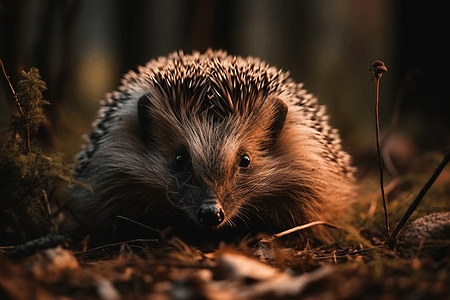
point(82, 49)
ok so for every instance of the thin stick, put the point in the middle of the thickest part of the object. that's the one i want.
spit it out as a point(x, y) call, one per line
point(19, 107)
point(294, 229)
point(114, 229)
point(419, 197)
point(116, 244)
point(45, 203)
point(377, 70)
point(12, 89)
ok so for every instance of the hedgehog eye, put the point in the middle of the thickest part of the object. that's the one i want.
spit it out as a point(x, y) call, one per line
point(181, 160)
point(245, 161)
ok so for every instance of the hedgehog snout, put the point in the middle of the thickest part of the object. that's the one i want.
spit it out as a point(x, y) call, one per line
point(210, 214)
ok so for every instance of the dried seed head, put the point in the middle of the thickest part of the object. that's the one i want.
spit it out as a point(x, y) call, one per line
point(377, 69)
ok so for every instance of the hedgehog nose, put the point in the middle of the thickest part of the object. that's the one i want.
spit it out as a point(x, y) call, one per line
point(210, 214)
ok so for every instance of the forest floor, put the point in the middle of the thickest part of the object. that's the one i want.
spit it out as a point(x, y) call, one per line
point(355, 265)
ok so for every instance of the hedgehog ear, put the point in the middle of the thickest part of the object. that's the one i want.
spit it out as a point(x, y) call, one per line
point(278, 119)
point(145, 118)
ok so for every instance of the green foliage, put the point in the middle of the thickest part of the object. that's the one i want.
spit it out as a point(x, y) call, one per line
point(28, 177)
point(24, 175)
point(32, 101)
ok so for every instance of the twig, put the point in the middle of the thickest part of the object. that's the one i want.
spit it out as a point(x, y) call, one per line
point(415, 203)
point(114, 231)
point(12, 89)
point(377, 70)
point(19, 107)
point(116, 244)
point(45, 203)
point(294, 229)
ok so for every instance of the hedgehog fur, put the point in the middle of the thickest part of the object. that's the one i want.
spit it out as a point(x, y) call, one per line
point(212, 143)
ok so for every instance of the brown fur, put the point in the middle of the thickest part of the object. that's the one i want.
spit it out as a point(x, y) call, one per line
point(215, 108)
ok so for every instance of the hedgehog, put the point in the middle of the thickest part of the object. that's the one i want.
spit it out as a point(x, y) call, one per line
point(208, 144)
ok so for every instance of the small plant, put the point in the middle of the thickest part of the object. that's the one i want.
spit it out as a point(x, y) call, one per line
point(377, 69)
point(27, 176)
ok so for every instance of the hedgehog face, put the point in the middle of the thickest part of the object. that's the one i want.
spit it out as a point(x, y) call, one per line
point(211, 180)
point(211, 161)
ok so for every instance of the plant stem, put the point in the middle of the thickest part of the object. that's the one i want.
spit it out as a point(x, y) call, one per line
point(19, 107)
point(377, 69)
point(380, 163)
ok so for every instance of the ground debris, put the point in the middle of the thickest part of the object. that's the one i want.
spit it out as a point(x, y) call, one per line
point(33, 246)
point(180, 271)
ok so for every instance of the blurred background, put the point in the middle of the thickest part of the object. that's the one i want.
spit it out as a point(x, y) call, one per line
point(82, 48)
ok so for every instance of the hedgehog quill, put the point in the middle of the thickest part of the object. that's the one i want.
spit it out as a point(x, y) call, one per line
point(212, 143)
